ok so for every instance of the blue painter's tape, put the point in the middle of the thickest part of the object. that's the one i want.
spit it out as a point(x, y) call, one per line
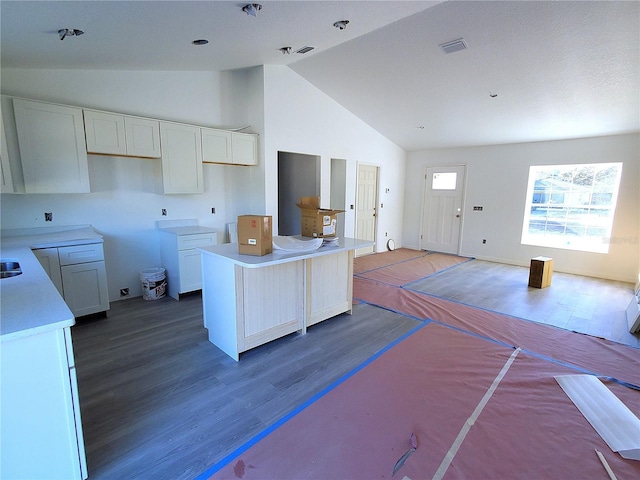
point(243, 448)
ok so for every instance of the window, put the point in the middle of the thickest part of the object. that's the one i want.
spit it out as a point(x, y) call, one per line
point(571, 206)
point(444, 181)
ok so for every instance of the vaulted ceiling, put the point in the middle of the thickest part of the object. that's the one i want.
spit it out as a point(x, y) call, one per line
point(538, 70)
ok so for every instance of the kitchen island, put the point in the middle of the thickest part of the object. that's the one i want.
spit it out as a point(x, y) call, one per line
point(251, 300)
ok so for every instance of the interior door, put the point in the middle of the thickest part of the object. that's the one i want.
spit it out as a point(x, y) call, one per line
point(442, 209)
point(367, 191)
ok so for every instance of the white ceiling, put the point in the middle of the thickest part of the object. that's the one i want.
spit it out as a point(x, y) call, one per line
point(559, 69)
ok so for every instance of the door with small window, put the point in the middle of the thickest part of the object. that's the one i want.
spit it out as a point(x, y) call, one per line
point(442, 209)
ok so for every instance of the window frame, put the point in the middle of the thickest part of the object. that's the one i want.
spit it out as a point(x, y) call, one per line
point(572, 205)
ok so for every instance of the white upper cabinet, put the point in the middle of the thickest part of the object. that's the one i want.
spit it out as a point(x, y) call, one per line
point(222, 146)
point(245, 148)
point(216, 146)
point(52, 147)
point(181, 158)
point(114, 134)
point(6, 181)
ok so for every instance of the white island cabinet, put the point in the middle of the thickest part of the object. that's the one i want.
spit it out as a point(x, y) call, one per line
point(251, 300)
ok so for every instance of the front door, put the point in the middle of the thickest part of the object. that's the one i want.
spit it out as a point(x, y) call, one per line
point(442, 209)
point(366, 206)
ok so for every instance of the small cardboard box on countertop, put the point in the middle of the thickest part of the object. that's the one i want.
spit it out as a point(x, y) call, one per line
point(317, 222)
point(255, 235)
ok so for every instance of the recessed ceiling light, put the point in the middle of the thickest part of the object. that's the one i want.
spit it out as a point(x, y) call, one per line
point(285, 50)
point(342, 24)
point(252, 9)
point(201, 41)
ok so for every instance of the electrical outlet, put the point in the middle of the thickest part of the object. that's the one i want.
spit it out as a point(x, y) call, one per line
point(484, 240)
point(213, 209)
point(124, 292)
point(164, 212)
point(48, 216)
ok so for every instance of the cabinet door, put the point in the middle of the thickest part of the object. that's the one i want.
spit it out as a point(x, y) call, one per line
point(190, 270)
point(104, 132)
point(181, 158)
point(329, 286)
point(40, 433)
point(269, 303)
point(85, 288)
point(143, 137)
point(48, 258)
point(6, 181)
point(216, 146)
point(245, 149)
point(52, 147)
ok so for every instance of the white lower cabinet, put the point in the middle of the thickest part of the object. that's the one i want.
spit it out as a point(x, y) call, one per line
point(85, 291)
point(41, 430)
point(181, 259)
point(48, 258)
point(79, 274)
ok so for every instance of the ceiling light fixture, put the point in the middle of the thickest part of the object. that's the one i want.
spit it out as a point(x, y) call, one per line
point(69, 32)
point(252, 9)
point(342, 24)
point(285, 50)
point(453, 46)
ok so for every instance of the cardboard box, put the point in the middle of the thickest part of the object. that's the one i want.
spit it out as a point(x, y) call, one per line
point(540, 272)
point(255, 235)
point(317, 222)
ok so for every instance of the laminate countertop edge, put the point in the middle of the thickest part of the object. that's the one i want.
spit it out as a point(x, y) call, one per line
point(229, 252)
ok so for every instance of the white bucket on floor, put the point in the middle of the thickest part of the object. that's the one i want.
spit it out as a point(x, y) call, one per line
point(154, 283)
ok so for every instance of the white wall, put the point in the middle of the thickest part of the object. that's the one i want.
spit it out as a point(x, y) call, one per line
point(288, 113)
point(497, 179)
point(123, 205)
point(300, 118)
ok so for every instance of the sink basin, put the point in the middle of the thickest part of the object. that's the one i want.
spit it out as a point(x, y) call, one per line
point(9, 268)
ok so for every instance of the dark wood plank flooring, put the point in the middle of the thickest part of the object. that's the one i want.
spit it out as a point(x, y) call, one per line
point(159, 401)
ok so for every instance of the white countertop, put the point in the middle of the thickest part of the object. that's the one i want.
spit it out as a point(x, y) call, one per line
point(188, 230)
point(30, 303)
point(47, 237)
point(229, 251)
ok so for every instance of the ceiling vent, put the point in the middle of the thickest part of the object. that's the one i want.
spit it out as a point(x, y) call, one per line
point(453, 46)
point(304, 50)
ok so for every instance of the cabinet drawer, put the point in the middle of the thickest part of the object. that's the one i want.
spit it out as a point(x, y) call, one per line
point(81, 254)
point(197, 240)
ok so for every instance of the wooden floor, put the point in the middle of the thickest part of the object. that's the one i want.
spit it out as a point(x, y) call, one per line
point(159, 401)
point(582, 304)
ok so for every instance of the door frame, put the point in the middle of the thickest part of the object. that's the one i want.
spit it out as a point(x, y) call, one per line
point(364, 251)
point(462, 202)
